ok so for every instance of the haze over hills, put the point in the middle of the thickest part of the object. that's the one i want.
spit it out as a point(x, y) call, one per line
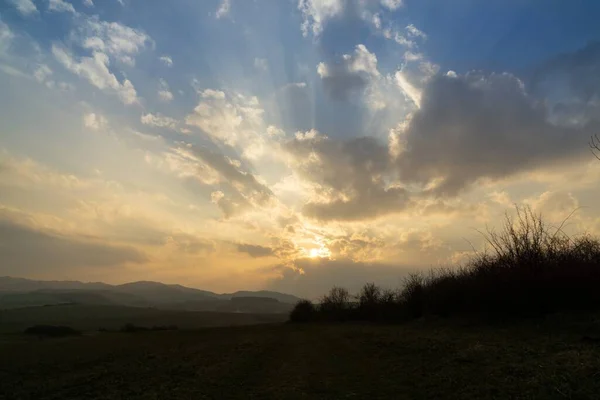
point(20, 292)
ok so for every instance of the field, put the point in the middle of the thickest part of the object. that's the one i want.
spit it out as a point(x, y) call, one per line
point(95, 317)
point(553, 358)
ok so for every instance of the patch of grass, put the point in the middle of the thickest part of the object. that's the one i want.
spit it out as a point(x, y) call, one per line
point(92, 317)
point(545, 358)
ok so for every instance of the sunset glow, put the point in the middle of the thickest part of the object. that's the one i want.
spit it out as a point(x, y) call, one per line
point(286, 145)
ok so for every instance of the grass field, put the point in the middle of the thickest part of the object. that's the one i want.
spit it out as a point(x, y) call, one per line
point(94, 317)
point(555, 358)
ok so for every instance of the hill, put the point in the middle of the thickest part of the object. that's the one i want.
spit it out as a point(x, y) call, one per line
point(19, 293)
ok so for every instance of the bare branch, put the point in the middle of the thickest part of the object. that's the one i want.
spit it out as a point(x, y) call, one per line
point(595, 146)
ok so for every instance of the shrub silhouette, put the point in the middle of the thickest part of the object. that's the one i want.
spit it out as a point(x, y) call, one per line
point(131, 328)
point(532, 269)
point(52, 331)
point(303, 311)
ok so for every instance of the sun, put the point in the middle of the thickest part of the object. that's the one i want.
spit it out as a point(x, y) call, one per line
point(319, 252)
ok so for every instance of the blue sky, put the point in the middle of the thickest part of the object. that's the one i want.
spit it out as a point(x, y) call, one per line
point(292, 144)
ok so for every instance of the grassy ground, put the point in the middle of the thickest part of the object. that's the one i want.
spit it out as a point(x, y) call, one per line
point(550, 359)
point(94, 317)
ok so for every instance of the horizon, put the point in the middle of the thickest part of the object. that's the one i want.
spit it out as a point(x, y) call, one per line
point(133, 282)
point(288, 146)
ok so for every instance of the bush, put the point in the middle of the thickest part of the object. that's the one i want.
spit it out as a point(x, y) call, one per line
point(52, 331)
point(532, 269)
point(303, 311)
point(131, 328)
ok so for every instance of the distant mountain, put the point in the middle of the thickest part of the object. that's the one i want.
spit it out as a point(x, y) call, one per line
point(282, 297)
point(9, 284)
point(20, 292)
point(161, 293)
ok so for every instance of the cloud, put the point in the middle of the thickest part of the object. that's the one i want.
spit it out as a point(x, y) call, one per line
point(350, 177)
point(95, 121)
point(255, 250)
point(185, 165)
point(232, 172)
point(351, 74)
point(113, 39)
point(95, 70)
point(6, 37)
point(408, 88)
point(569, 83)
point(402, 40)
point(25, 7)
point(443, 147)
point(415, 32)
point(42, 73)
point(316, 12)
point(240, 190)
point(392, 5)
point(164, 93)
point(167, 60)
point(261, 64)
point(61, 6)
point(479, 126)
point(407, 39)
point(224, 8)
point(555, 206)
point(159, 120)
point(233, 119)
point(25, 249)
point(217, 117)
point(88, 3)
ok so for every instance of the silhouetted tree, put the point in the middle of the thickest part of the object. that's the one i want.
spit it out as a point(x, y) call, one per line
point(368, 301)
point(336, 304)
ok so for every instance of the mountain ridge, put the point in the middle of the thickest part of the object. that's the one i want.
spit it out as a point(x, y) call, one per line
point(21, 292)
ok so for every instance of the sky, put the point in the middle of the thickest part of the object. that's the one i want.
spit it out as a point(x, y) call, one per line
point(288, 145)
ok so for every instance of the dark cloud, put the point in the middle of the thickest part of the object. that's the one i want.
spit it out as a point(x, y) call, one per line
point(475, 126)
point(231, 172)
point(580, 69)
point(241, 190)
point(468, 128)
point(255, 250)
point(24, 249)
point(570, 83)
point(340, 81)
point(350, 175)
point(350, 74)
